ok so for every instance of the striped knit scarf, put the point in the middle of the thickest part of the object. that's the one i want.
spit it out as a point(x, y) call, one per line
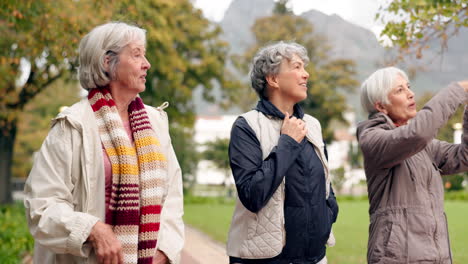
point(138, 176)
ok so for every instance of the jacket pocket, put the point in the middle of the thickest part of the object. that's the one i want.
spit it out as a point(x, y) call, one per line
point(395, 246)
point(387, 241)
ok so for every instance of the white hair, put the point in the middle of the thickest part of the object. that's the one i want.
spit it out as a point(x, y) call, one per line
point(377, 87)
point(105, 40)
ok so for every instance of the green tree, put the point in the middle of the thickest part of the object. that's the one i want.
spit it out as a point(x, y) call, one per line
point(187, 155)
point(338, 178)
point(420, 21)
point(328, 77)
point(37, 48)
point(217, 152)
point(183, 47)
point(282, 7)
point(356, 159)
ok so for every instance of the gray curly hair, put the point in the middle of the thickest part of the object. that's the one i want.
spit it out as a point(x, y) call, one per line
point(268, 60)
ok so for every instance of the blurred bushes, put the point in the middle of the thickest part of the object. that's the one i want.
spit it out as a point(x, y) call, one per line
point(190, 199)
point(456, 195)
point(15, 240)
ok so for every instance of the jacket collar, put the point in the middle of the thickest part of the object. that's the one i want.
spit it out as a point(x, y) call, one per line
point(380, 117)
point(377, 119)
point(267, 108)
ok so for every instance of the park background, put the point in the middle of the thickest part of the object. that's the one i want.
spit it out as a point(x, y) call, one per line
point(199, 64)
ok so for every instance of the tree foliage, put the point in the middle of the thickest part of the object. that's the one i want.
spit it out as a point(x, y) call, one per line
point(43, 35)
point(183, 47)
point(328, 77)
point(217, 152)
point(186, 152)
point(338, 178)
point(37, 48)
point(411, 24)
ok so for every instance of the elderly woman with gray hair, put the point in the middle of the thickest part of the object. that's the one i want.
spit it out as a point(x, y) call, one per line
point(106, 186)
point(403, 163)
point(285, 206)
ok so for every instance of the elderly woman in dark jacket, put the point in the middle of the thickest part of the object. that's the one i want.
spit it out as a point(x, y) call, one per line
point(404, 164)
point(285, 206)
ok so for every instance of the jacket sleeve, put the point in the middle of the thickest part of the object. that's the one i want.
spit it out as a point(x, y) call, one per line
point(171, 235)
point(387, 148)
point(452, 158)
point(257, 179)
point(52, 220)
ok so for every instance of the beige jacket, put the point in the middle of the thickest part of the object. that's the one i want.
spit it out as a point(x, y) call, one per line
point(403, 168)
point(263, 235)
point(64, 193)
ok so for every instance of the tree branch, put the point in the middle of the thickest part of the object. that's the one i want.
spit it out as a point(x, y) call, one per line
point(32, 88)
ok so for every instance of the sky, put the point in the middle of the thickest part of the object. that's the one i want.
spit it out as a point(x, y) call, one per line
point(360, 12)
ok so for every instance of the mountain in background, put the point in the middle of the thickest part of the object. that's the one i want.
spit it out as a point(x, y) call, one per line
point(347, 41)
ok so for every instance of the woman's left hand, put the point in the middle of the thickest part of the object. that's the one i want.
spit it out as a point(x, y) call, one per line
point(160, 258)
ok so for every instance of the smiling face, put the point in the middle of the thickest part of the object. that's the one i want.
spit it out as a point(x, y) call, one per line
point(132, 67)
point(291, 81)
point(402, 105)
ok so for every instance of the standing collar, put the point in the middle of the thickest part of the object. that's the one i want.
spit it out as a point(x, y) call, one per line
point(267, 108)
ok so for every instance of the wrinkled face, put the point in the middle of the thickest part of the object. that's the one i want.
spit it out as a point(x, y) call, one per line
point(402, 105)
point(132, 67)
point(292, 80)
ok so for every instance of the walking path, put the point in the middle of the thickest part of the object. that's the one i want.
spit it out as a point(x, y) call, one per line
point(201, 249)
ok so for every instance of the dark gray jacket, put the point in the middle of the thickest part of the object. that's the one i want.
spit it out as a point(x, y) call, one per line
point(403, 168)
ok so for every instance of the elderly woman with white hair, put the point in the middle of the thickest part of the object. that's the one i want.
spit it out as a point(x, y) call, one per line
point(106, 186)
point(286, 206)
point(403, 163)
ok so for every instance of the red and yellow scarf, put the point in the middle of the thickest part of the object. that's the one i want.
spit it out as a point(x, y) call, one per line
point(139, 176)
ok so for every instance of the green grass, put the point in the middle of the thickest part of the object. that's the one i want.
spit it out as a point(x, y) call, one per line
point(212, 219)
point(350, 231)
point(15, 240)
point(457, 214)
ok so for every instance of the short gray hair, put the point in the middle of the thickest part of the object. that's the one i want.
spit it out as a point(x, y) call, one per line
point(268, 60)
point(377, 87)
point(105, 40)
